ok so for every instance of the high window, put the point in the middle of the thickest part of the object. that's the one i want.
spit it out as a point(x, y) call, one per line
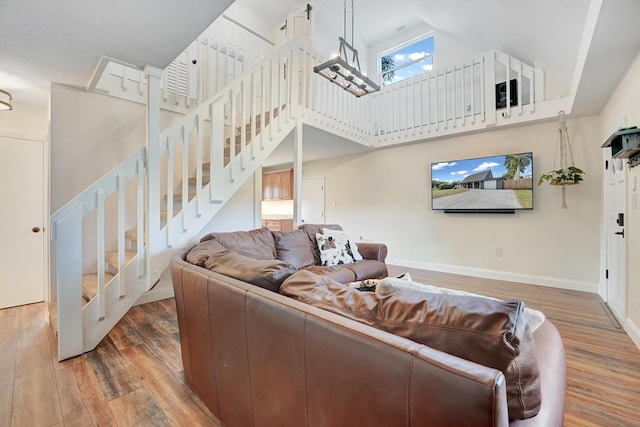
point(407, 60)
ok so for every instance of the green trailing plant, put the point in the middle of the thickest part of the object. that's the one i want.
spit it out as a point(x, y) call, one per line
point(570, 175)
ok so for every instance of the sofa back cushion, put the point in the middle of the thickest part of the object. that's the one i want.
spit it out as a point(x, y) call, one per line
point(312, 230)
point(489, 332)
point(201, 252)
point(268, 274)
point(293, 247)
point(256, 244)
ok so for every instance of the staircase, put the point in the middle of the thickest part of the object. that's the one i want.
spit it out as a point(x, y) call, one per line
point(202, 160)
point(159, 199)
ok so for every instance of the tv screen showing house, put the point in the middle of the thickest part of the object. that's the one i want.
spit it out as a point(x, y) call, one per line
point(483, 183)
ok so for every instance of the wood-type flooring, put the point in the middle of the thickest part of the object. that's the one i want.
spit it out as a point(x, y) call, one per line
point(135, 377)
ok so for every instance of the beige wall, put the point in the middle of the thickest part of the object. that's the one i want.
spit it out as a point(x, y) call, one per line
point(623, 106)
point(90, 135)
point(25, 121)
point(384, 196)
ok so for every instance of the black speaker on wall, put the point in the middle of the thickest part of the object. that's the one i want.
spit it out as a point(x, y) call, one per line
point(501, 94)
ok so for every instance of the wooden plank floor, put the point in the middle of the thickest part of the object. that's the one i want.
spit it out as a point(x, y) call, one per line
point(135, 375)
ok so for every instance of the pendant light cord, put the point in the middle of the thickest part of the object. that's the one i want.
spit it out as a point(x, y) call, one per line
point(352, 23)
point(345, 20)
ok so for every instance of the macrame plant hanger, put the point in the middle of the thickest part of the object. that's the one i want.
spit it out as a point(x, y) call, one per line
point(563, 147)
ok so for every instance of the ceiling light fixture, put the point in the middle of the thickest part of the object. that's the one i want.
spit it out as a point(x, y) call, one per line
point(346, 74)
point(5, 101)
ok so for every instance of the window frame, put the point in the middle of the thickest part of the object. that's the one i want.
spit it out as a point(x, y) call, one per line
point(401, 46)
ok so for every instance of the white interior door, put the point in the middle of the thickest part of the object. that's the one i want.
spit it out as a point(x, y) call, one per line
point(616, 285)
point(21, 222)
point(299, 25)
point(313, 200)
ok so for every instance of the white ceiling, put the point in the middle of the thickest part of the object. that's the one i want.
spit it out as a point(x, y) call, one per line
point(61, 41)
point(43, 41)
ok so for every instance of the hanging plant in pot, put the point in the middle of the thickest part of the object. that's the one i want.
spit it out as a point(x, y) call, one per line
point(567, 173)
point(569, 176)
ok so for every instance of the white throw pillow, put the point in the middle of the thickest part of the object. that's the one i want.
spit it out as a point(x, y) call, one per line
point(334, 250)
point(352, 242)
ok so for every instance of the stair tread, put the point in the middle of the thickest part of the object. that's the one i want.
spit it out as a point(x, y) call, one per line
point(205, 180)
point(112, 258)
point(178, 197)
point(133, 235)
point(90, 285)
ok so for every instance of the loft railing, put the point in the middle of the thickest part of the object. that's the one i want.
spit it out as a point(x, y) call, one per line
point(467, 96)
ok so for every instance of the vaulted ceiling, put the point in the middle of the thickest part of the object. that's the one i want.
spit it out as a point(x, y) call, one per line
point(588, 43)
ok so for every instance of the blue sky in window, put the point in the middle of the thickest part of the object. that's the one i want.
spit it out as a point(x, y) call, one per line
point(409, 53)
point(459, 169)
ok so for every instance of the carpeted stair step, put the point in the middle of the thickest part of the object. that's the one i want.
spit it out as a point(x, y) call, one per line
point(178, 197)
point(90, 285)
point(205, 180)
point(112, 259)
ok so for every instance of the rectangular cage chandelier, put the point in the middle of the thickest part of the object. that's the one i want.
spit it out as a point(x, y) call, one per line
point(344, 73)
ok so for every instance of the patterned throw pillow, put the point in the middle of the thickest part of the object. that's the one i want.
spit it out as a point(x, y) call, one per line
point(334, 250)
point(352, 243)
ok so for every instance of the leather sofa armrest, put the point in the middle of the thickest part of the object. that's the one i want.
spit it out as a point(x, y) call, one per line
point(375, 251)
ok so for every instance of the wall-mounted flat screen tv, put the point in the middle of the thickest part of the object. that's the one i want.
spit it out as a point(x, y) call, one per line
point(500, 184)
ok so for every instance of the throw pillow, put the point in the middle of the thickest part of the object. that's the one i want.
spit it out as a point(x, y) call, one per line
point(334, 250)
point(312, 230)
point(293, 247)
point(352, 242)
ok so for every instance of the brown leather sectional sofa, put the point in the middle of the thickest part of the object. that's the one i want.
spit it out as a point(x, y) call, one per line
point(260, 358)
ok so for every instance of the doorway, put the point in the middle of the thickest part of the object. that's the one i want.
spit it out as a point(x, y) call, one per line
point(616, 291)
point(313, 200)
point(22, 222)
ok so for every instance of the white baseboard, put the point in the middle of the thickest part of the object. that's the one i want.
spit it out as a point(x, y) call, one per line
point(498, 275)
point(633, 331)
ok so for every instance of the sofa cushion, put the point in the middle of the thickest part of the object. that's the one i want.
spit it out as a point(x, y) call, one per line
point(293, 247)
point(256, 244)
point(201, 252)
point(489, 332)
point(368, 269)
point(338, 273)
point(312, 230)
point(334, 250)
point(268, 274)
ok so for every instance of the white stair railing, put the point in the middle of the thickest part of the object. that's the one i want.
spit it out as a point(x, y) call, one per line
point(109, 201)
point(195, 75)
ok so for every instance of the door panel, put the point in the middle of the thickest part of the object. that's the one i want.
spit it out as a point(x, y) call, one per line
point(313, 200)
point(22, 222)
point(616, 285)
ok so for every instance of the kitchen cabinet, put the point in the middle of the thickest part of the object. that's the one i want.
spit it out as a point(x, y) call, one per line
point(278, 224)
point(277, 185)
